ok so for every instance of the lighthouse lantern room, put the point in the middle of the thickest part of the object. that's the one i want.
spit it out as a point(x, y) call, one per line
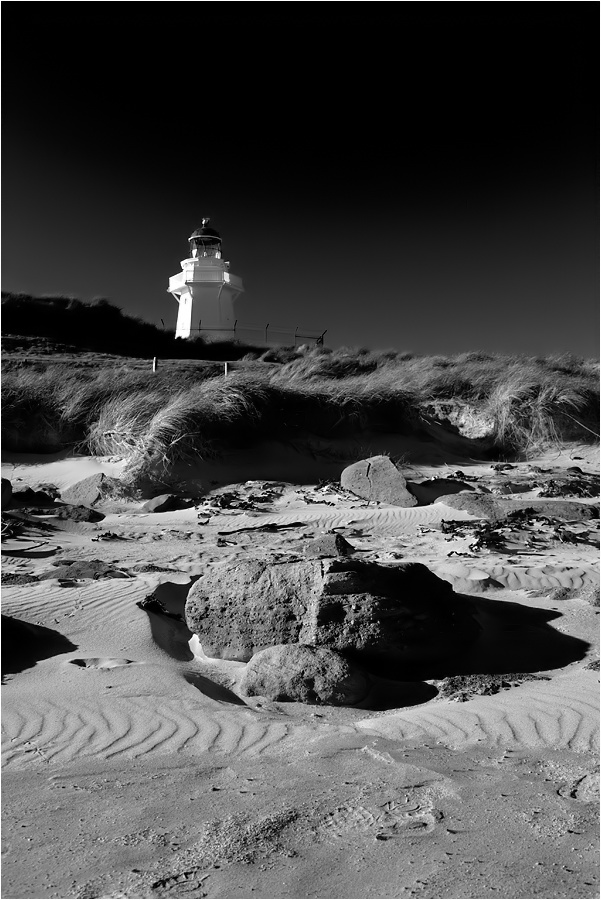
point(205, 289)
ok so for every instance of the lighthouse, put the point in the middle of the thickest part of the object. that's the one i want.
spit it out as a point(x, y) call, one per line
point(205, 289)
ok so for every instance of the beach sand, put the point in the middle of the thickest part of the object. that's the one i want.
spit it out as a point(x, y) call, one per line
point(132, 767)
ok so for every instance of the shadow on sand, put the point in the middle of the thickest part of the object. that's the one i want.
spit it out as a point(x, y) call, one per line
point(512, 638)
point(23, 645)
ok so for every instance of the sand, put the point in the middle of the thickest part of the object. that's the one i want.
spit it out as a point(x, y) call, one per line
point(133, 768)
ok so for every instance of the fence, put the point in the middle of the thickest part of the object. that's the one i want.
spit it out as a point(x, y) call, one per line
point(263, 335)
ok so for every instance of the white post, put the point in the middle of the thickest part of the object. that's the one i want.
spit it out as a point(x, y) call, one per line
point(225, 371)
point(154, 364)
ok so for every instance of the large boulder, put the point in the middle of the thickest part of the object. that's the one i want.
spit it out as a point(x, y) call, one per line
point(305, 674)
point(367, 611)
point(377, 478)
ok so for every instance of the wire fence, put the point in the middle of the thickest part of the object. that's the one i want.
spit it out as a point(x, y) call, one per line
point(268, 335)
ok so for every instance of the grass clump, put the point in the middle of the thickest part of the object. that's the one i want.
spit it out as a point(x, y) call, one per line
point(190, 410)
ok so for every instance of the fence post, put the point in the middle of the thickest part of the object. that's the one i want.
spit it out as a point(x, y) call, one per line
point(225, 369)
point(154, 364)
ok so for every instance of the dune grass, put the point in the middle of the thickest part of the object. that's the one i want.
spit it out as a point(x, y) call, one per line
point(153, 419)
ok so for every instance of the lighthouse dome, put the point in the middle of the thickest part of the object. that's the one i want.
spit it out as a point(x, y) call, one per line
point(205, 231)
point(205, 241)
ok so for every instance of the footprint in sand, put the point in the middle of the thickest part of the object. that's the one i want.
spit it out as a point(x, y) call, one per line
point(102, 662)
point(392, 819)
point(348, 818)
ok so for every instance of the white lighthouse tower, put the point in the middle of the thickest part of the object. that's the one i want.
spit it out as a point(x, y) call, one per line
point(205, 289)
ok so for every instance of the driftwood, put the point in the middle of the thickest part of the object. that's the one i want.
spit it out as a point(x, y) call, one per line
point(271, 526)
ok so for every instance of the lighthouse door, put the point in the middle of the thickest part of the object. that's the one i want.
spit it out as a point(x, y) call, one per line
point(184, 316)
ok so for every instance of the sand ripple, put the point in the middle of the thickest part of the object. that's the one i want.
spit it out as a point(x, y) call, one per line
point(384, 520)
point(130, 727)
point(529, 578)
point(100, 601)
point(561, 714)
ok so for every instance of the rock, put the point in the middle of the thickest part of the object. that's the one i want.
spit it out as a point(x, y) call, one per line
point(588, 593)
point(513, 487)
point(305, 674)
point(18, 578)
point(84, 568)
point(429, 491)
point(486, 506)
point(328, 545)
point(377, 478)
point(86, 492)
point(460, 688)
point(78, 513)
point(23, 495)
point(368, 611)
point(570, 510)
point(163, 503)
point(481, 505)
point(50, 489)
point(7, 492)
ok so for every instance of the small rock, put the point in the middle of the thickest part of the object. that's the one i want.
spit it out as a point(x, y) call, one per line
point(167, 503)
point(460, 688)
point(328, 545)
point(18, 578)
point(84, 568)
point(377, 479)
point(78, 513)
point(514, 487)
point(27, 496)
point(305, 674)
point(481, 505)
point(86, 492)
point(50, 489)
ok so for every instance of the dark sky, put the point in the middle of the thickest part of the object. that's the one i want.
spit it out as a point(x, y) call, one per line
point(422, 176)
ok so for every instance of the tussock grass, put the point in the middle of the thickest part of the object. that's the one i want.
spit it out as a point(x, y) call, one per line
point(206, 419)
point(154, 419)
